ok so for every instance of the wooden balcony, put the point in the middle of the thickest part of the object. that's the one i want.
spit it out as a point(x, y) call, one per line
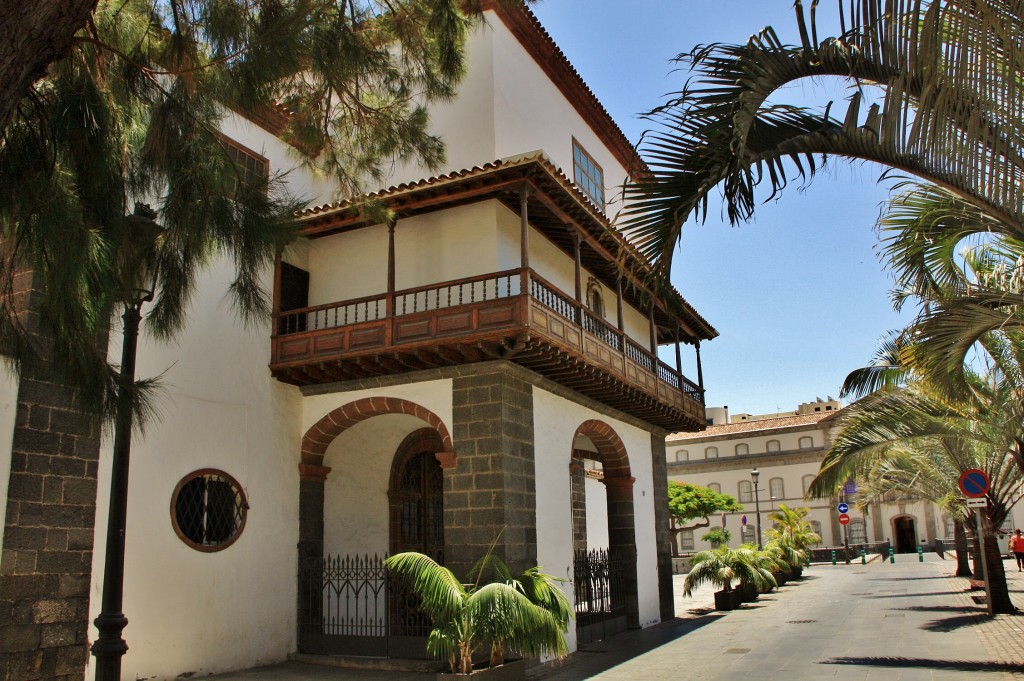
point(514, 315)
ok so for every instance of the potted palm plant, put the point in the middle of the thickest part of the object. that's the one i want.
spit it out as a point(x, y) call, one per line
point(722, 567)
point(794, 536)
point(495, 613)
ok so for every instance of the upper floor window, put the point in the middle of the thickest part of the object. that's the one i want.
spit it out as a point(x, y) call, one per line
point(594, 299)
point(682, 455)
point(711, 453)
point(773, 446)
point(776, 489)
point(742, 449)
point(806, 443)
point(807, 480)
point(715, 487)
point(588, 175)
point(252, 168)
point(746, 491)
point(816, 529)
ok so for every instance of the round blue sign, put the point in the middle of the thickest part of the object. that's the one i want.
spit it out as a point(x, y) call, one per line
point(843, 508)
point(974, 483)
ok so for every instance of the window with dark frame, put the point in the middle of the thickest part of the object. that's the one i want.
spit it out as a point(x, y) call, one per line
point(208, 510)
point(587, 174)
point(252, 167)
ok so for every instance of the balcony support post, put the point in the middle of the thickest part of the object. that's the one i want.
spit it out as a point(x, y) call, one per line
point(389, 302)
point(579, 276)
point(654, 332)
point(679, 359)
point(276, 304)
point(524, 226)
point(618, 303)
point(700, 371)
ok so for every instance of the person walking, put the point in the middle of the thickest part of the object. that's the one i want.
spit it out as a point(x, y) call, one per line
point(1017, 546)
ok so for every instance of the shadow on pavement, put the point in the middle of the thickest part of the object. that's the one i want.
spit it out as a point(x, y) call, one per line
point(944, 608)
point(902, 579)
point(954, 623)
point(594, 658)
point(957, 665)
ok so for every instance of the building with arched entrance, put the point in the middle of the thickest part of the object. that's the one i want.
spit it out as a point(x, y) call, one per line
point(478, 370)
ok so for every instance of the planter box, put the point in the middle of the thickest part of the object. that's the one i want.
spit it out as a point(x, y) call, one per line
point(727, 600)
point(748, 592)
point(510, 671)
point(780, 577)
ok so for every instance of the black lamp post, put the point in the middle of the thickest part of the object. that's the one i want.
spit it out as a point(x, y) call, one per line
point(138, 272)
point(754, 475)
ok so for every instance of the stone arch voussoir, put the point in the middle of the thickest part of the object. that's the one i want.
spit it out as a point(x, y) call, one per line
point(322, 433)
point(610, 449)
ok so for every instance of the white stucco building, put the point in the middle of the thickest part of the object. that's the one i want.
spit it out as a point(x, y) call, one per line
point(787, 449)
point(476, 370)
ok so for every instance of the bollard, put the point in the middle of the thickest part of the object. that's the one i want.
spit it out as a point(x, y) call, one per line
point(833, 557)
point(863, 557)
point(892, 555)
point(920, 554)
point(808, 556)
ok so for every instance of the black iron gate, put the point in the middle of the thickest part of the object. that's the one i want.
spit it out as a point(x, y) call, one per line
point(599, 583)
point(348, 605)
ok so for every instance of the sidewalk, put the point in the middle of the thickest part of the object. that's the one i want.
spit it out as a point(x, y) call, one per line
point(907, 621)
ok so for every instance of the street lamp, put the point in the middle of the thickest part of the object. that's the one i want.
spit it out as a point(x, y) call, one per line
point(136, 263)
point(754, 475)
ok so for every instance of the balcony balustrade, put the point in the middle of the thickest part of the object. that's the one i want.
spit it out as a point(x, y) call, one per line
point(514, 315)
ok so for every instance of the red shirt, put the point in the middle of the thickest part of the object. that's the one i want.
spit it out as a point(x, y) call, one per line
point(1017, 543)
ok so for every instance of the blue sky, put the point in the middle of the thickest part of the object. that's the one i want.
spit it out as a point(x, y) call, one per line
point(798, 294)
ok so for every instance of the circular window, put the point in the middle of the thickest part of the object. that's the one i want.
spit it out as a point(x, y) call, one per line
point(208, 510)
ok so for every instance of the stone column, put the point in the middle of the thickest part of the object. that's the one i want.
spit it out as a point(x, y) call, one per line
point(578, 482)
point(663, 527)
point(490, 494)
point(311, 546)
point(622, 540)
point(46, 564)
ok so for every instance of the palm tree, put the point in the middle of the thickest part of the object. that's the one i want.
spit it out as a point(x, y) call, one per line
point(919, 441)
point(528, 614)
point(724, 566)
point(940, 118)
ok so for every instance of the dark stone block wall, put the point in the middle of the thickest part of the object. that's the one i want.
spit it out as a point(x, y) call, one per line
point(663, 535)
point(490, 493)
point(46, 563)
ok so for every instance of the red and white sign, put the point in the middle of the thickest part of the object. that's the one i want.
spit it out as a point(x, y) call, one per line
point(844, 518)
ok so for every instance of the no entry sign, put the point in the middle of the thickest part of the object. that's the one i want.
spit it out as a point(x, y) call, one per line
point(844, 518)
point(974, 483)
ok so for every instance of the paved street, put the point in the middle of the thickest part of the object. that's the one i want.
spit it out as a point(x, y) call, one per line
point(902, 622)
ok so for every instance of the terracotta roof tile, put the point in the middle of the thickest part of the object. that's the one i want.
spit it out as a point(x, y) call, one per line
point(752, 426)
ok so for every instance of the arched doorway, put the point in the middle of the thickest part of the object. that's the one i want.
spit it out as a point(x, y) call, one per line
point(605, 580)
point(904, 532)
point(389, 498)
point(416, 496)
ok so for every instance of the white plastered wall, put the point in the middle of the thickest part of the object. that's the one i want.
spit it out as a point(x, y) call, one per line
point(8, 410)
point(189, 611)
point(597, 513)
point(555, 421)
point(356, 490)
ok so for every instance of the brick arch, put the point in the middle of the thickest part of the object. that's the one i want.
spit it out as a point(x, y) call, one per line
point(322, 433)
point(610, 450)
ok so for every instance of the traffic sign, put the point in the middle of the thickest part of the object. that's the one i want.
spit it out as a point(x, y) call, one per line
point(743, 521)
point(974, 483)
point(844, 519)
point(977, 503)
point(843, 507)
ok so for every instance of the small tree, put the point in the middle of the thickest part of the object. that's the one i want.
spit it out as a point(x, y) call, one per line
point(717, 537)
point(688, 503)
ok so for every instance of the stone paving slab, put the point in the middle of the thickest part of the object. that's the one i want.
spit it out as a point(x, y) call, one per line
point(907, 621)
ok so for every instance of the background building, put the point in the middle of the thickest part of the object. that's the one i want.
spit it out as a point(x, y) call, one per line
point(787, 450)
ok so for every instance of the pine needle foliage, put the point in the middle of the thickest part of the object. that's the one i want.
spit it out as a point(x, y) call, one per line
point(132, 113)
